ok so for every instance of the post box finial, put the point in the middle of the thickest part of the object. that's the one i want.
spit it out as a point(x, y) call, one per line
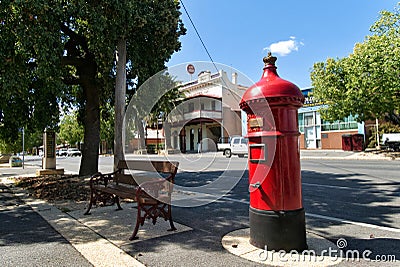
point(269, 60)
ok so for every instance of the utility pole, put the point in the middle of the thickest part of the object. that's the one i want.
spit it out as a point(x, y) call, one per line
point(23, 147)
point(378, 144)
point(120, 87)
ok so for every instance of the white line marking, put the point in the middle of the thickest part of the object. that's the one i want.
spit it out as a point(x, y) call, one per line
point(331, 186)
point(237, 200)
point(390, 229)
point(373, 226)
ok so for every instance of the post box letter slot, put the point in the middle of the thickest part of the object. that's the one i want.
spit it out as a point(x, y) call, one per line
point(257, 153)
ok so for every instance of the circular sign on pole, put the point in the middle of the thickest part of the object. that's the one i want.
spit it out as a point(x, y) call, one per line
point(190, 69)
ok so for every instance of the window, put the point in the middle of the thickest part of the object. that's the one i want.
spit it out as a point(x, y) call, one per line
point(317, 118)
point(213, 105)
point(301, 122)
point(348, 123)
point(236, 141)
point(191, 107)
point(202, 106)
point(308, 120)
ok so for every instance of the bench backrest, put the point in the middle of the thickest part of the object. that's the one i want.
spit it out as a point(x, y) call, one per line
point(148, 166)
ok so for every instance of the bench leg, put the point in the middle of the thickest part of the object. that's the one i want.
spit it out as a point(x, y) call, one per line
point(138, 222)
point(171, 222)
point(116, 199)
point(91, 202)
point(149, 214)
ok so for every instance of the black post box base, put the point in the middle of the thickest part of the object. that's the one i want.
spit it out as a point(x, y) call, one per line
point(278, 230)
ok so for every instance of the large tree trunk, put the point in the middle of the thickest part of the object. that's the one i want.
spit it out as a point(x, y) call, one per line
point(90, 152)
point(120, 86)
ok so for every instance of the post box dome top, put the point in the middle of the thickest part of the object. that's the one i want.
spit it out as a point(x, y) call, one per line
point(271, 87)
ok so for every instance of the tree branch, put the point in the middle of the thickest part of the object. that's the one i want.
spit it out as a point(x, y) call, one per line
point(78, 39)
point(71, 80)
point(72, 61)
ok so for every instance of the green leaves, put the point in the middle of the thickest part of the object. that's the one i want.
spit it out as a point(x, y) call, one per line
point(366, 82)
point(42, 53)
point(64, 56)
point(71, 132)
point(29, 80)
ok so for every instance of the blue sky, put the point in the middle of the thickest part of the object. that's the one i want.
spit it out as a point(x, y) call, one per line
point(240, 33)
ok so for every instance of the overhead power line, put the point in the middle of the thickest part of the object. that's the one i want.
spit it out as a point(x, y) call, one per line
point(205, 48)
point(198, 34)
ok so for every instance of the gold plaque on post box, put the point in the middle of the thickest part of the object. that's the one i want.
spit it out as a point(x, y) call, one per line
point(256, 123)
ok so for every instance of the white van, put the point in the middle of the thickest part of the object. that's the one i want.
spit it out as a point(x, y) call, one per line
point(238, 146)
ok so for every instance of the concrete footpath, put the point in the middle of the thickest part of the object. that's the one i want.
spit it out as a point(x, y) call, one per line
point(208, 235)
point(27, 239)
point(340, 154)
point(72, 244)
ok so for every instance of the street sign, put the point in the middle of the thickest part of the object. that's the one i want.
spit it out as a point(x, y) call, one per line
point(190, 69)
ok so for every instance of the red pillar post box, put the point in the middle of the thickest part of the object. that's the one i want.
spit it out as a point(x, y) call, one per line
point(277, 217)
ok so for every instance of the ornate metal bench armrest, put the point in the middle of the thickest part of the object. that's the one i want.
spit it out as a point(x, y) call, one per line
point(102, 178)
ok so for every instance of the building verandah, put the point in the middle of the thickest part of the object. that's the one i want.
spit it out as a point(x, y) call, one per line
point(209, 112)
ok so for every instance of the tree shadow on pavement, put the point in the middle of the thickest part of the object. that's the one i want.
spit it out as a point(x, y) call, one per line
point(20, 224)
point(351, 197)
point(346, 196)
point(370, 204)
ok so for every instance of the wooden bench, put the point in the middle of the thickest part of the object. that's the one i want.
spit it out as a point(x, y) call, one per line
point(148, 183)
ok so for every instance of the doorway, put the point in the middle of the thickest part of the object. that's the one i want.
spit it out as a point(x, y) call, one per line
point(191, 143)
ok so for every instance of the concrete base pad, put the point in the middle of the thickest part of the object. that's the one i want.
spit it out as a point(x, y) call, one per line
point(117, 226)
point(40, 172)
point(237, 242)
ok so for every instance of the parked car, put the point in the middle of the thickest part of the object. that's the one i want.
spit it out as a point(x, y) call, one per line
point(391, 141)
point(73, 152)
point(237, 146)
point(5, 158)
point(62, 152)
point(224, 143)
point(15, 161)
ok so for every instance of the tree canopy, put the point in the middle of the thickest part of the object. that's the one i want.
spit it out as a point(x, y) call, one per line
point(63, 53)
point(366, 83)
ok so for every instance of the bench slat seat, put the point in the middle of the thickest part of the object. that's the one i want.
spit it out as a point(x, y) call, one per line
point(151, 189)
point(121, 191)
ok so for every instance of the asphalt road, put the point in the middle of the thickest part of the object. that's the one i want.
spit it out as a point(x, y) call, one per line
point(354, 200)
point(366, 191)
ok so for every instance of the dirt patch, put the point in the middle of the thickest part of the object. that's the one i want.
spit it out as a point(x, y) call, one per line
point(60, 187)
point(382, 153)
point(67, 192)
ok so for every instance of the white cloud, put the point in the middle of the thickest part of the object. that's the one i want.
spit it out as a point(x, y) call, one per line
point(284, 48)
